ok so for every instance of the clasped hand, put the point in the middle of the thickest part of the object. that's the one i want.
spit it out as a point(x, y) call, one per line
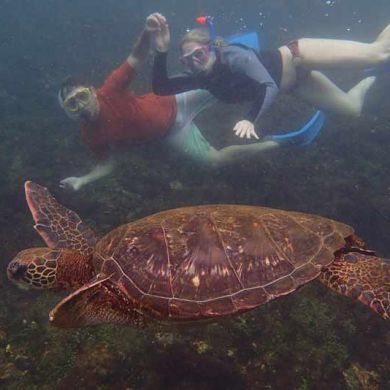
point(157, 25)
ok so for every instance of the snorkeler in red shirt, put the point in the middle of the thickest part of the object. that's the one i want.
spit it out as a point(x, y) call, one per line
point(112, 117)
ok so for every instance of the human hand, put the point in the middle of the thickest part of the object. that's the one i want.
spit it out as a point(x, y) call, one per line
point(73, 183)
point(245, 128)
point(157, 25)
point(152, 22)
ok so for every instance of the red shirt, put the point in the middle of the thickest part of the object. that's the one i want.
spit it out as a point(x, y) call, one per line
point(125, 118)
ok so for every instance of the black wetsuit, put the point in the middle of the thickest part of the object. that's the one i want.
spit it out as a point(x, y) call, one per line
point(239, 74)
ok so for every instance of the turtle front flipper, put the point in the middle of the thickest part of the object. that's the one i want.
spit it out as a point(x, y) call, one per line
point(98, 302)
point(363, 277)
point(58, 226)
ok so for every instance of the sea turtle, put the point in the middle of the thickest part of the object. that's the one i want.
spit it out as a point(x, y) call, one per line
point(191, 263)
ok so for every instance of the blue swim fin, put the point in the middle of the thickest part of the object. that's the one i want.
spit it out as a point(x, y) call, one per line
point(250, 39)
point(305, 135)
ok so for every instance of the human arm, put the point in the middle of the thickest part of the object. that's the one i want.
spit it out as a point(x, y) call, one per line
point(164, 85)
point(267, 93)
point(140, 50)
point(101, 170)
point(122, 76)
point(161, 83)
point(263, 89)
point(246, 127)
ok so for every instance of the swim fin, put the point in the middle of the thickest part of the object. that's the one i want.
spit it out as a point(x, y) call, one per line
point(250, 39)
point(303, 136)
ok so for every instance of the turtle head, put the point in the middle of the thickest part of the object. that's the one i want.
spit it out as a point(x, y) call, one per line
point(50, 268)
point(34, 268)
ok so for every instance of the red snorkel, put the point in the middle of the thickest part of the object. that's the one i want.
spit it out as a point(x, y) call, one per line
point(202, 20)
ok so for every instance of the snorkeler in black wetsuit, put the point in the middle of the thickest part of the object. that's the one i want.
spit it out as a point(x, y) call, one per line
point(239, 74)
point(235, 74)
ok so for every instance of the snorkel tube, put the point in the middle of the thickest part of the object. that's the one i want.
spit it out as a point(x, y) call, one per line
point(250, 39)
point(208, 21)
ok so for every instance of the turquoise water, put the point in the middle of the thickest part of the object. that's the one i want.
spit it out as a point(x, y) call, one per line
point(312, 339)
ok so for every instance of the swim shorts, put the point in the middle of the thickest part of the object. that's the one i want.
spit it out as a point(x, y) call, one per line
point(185, 136)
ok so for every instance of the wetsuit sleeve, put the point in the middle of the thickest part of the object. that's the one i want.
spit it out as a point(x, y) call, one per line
point(266, 95)
point(266, 89)
point(164, 85)
point(119, 79)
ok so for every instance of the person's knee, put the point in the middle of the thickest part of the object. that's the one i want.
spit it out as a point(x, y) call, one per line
point(353, 109)
point(214, 159)
point(356, 112)
point(380, 52)
point(382, 45)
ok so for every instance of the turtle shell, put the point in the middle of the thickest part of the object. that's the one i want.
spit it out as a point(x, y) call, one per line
point(208, 261)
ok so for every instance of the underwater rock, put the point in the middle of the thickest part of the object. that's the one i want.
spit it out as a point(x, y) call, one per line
point(356, 377)
point(93, 365)
point(165, 338)
point(8, 371)
point(201, 346)
point(3, 338)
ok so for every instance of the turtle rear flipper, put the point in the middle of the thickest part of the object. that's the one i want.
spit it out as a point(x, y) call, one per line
point(363, 277)
point(98, 302)
point(58, 226)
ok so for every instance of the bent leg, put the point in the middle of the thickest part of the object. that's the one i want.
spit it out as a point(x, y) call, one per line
point(236, 153)
point(190, 141)
point(319, 91)
point(190, 104)
point(333, 53)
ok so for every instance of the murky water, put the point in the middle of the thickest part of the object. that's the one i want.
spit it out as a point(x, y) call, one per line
point(311, 339)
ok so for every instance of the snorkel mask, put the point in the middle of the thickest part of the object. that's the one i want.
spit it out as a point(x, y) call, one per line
point(197, 58)
point(75, 99)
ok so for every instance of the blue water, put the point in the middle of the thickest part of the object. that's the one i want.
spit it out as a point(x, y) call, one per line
point(312, 339)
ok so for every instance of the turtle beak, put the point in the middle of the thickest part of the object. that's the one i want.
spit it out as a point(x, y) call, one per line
point(16, 271)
